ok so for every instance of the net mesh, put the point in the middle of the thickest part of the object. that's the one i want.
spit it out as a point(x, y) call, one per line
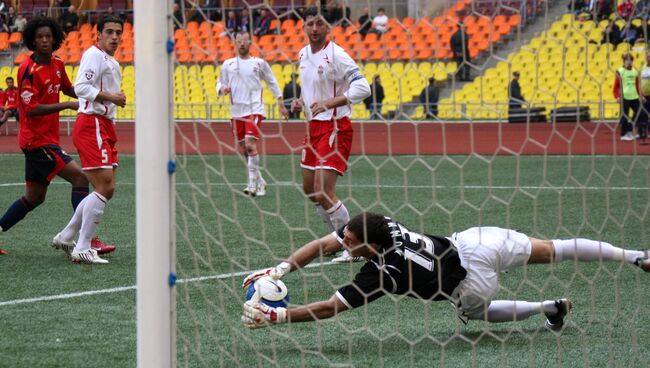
point(547, 180)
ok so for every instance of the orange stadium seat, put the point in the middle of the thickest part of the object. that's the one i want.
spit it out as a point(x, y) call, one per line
point(4, 40)
point(16, 38)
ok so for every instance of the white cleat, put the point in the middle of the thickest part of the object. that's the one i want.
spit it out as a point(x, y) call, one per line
point(87, 256)
point(556, 321)
point(260, 190)
point(59, 244)
point(251, 190)
point(345, 257)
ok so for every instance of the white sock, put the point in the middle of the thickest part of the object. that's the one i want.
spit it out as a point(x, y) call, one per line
point(515, 310)
point(70, 231)
point(253, 168)
point(339, 215)
point(591, 250)
point(325, 217)
point(92, 214)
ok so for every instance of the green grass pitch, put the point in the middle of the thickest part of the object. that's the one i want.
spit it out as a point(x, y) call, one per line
point(222, 234)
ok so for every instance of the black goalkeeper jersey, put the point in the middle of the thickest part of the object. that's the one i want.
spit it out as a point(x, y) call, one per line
point(418, 265)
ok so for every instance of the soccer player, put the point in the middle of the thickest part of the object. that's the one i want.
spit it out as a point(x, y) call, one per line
point(331, 82)
point(9, 102)
point(462, 268)
point(40, 78)
point(98, 89)
point(241, 77)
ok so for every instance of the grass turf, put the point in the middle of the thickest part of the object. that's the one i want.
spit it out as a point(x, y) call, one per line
point(220, 231)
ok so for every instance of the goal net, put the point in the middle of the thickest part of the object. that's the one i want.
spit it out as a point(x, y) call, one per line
point(445, 146)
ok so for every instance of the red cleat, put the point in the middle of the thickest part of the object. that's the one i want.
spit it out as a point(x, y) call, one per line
point(3, 252)
point(100, 246)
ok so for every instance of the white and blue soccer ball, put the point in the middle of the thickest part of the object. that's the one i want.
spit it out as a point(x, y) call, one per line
point(272, 292)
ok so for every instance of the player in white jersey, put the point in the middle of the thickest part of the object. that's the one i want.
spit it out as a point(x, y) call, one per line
point(242, 77)
point(98, 89)
point(331, 82)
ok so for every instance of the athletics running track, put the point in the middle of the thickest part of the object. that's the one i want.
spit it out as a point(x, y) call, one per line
point(393, 138)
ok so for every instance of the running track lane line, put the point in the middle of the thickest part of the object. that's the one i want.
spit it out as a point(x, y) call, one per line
point(133, 287)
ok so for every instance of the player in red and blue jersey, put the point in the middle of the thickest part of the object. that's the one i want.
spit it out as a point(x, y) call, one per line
point(9, 102)
point(40, 78)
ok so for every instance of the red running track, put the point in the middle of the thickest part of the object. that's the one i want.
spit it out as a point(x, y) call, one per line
point(396, 138)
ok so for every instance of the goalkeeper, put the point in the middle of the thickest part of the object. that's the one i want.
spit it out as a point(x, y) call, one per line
point(462, 268)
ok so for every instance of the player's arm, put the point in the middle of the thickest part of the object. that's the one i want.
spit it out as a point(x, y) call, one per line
point(258, 315)
point(272, 84)
point(85, 85)
point(299, 259)
point(222, 83)
point(358, 90)
point(46, 109)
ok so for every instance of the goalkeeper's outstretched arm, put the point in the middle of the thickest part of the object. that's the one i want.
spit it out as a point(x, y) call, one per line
point(317, 310)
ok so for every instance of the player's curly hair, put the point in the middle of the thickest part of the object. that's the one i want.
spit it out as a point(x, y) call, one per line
point(371, 228)
point(29, 33)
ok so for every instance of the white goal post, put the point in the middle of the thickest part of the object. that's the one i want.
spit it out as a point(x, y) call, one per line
point(156, 327)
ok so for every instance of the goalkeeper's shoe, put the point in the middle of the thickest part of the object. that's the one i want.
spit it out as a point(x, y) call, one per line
point(555, 321)
point(644, 262)
point(100, 246)
point(3, 252)
point(260, 189)
point(87, 256)
point(59, 244)
point(345, 257)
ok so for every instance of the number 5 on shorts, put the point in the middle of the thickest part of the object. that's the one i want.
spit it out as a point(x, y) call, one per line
point(104, 156)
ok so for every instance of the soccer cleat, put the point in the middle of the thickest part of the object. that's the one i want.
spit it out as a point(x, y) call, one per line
point(644, 263)
point(556, 321)
point(59, 244)
point(260, 189)
point(345, 257)
point(627, 137)
point(87, 256)
point(3, 252)
point(251, 189)
point(100, 246)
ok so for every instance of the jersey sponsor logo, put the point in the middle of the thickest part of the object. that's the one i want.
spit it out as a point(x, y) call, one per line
point(326, 58)
point(26, 96)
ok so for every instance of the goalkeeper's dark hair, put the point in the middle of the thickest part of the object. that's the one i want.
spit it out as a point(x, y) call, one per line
point(371, 228)
point(29, 33)
point(109, 18)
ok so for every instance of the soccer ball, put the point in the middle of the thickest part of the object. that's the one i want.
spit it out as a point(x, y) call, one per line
point(274, 293)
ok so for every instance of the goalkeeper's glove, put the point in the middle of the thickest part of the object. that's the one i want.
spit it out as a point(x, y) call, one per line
point(258, 315)
point(275, 272)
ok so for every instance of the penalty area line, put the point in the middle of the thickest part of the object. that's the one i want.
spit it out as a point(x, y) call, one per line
point(80, 294)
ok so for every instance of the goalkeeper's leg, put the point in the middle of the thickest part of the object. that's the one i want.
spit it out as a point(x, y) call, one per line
point(583, 250)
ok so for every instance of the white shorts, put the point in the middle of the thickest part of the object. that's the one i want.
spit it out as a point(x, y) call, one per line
point(484, 252)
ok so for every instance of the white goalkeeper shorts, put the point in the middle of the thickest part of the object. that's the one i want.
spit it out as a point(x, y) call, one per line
point(484, 252)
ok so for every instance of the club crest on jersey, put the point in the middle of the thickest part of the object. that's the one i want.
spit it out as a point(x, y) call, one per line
point(26, 96)
point(89, 74)
point(58, 74)
point(320, 69)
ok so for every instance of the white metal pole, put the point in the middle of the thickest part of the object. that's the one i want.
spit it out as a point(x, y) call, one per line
point(156, 328)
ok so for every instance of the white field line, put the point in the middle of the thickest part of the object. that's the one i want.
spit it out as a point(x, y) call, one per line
point(388, 186)
point(47, 298)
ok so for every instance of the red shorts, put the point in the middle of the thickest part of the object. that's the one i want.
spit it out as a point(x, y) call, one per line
point(325, 150)
point(94, 136)
point(247, 127)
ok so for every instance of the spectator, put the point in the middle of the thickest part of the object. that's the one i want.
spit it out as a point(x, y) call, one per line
point(211, 9)
point(245, 21)
point(19, 23)
point(631, 33)
point(644, 115)
point(347, 15)
point(291, 92)
point(232, 26)
point(578, 6)
point(10, 18)
point(611, 34)
point(69, 19)
point(334, 12)
point(626, 92)
point(429, 99)
point(3, 25)
point(459, 44)
point(514, 90)
point(62, 4)
point(263, 24)
point(380, 22)
point(179, 18)
point(375, 100)
point(604, 9)
point(626, 9)
point(364, 22)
